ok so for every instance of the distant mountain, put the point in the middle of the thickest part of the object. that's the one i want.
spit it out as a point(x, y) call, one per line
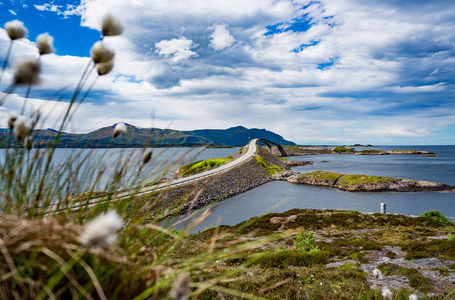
point(138, 137)
point(238, 136)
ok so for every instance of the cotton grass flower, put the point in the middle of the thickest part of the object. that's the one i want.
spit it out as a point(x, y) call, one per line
point(111, 26)
point(180, 288)
point(15, 29)
point(12, 119)
point(27, 72)
point(104, 68)
point(45, 43)
point(147, 156)
point(413, 297)
point(100, 232)
point(387, 293)
point(101, 53)
point(28, 143)
point(119, 129)
point(377, 273)
point(21, 128)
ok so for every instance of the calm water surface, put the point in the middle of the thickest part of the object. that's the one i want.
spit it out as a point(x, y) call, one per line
point(281, 196)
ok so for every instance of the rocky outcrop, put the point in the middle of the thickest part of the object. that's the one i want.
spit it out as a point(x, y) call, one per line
point(296, 163)
point(410, 152)
point(298, 151)
point(365, 183)
point(372, 152)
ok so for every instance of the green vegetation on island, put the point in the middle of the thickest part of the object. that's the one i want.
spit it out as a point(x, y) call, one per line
point(343, 150)
point(371, 152)
point(202, 165)
point(355, 179)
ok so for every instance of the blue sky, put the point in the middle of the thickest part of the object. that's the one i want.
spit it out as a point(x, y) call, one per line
point(316, 72)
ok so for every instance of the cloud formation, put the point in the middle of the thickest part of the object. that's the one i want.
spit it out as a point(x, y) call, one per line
point(329, 71)
point(220, 38)
point(176, 49)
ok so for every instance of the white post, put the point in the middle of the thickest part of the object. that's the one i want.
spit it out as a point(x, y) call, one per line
point(383, 208)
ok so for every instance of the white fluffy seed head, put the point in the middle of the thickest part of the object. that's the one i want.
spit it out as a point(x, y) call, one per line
point(180, 288)
point(119, 129)
point(100, 232)
point(21, 128)
point(377, 273)
point(45, 43)
point(101, 53)
point(387, 293)
point(413, 297)
point(104, 68)
point(12, 119)
point(27, 72)
point(15, 29)
point(111, 26)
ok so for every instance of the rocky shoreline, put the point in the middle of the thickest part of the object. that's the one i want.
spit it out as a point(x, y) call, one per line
point(363, 183)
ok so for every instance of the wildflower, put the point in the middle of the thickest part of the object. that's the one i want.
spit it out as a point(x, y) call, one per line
point(21, 128)
point(387, 293)
point(100, 231)
point(119, 129)
point(111, 26)
point(104, 68)
point(15, 29)
point(12, 119)
point(180, 288)
point(101, 53)
point(147, 156)
point(27, 72)
point(28, 143)
point(45, 43)
point(413, 297)
point(377, 273)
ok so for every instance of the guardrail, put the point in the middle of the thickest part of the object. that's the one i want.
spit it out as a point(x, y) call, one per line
point(125, 195)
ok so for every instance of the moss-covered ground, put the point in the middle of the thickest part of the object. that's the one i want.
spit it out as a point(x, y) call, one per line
point(274, 269)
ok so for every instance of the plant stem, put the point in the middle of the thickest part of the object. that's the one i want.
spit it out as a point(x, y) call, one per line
point(6, 59)
point(27, 94)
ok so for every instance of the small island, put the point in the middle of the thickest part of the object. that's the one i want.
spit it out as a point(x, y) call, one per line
point(366, 183)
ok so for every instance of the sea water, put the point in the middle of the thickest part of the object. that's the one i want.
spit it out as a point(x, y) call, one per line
point(280, 196)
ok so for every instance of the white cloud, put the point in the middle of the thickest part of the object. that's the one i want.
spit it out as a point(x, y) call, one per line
point(220, 37)
point(176, 49)
point(13, 12)
point(66, 11)
point(380, 72)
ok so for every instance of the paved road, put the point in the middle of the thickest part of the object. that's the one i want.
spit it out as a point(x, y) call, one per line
point(252, 148)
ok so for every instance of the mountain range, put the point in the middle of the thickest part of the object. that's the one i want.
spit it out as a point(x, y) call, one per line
point(155, 137)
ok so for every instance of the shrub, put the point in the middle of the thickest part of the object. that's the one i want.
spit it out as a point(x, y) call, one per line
point(435, 217)
point(304, 242)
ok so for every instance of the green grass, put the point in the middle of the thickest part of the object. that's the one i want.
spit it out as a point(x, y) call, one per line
point(322, 175)
point(371, 151)
point(202, 165)
point(343, 150)
point(269, 167)
point(355, 179)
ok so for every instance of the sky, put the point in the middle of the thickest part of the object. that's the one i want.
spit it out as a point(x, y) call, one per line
point(316, 72)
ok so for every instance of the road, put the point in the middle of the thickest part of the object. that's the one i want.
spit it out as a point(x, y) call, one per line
point(252, 148)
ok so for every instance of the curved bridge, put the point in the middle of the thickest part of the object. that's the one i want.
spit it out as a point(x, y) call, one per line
point(248, 155)
point(270, 144)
